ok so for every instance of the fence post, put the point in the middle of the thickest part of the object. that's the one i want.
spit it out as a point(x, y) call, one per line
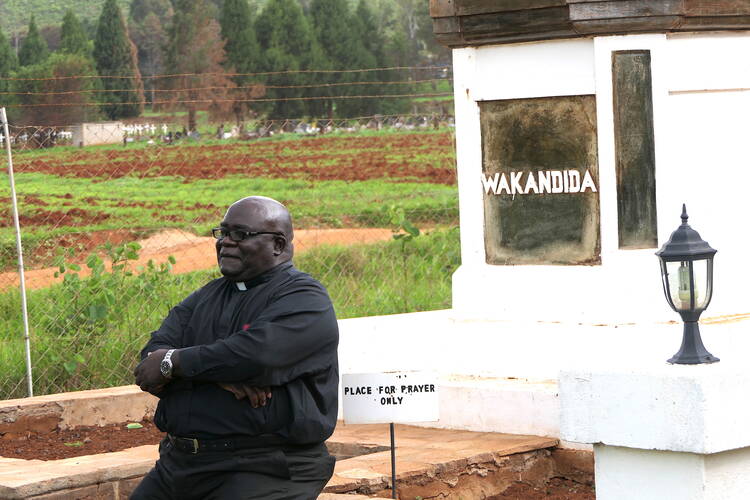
point(22, 279)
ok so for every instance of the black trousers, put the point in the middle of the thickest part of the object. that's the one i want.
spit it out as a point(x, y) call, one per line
point(268, 474)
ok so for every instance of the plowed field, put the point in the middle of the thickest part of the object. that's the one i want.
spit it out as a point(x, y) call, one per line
point(396, 157)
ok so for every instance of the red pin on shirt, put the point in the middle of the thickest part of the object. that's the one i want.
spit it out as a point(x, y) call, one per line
point(245, 327)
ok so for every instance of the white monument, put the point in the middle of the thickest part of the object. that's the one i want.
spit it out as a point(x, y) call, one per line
point(581, 128)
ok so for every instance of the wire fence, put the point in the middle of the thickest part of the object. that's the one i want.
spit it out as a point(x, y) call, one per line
point(115, 222)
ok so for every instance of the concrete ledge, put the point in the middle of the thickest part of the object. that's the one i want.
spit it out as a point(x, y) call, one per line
point(700, 409)
point(66, 410)
point(507, 405)
point(426, 460)
point(29, 478)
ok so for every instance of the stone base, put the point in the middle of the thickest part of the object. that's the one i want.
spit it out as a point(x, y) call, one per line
point(657, 475)
point(662, 431)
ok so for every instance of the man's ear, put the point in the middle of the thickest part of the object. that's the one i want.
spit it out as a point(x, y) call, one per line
point(279, 245)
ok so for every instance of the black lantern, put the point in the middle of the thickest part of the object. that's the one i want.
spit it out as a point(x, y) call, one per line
point(687, 264)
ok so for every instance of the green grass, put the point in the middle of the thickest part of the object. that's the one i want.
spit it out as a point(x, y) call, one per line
point(144, 201)
point(168, 202)
point(86, 334)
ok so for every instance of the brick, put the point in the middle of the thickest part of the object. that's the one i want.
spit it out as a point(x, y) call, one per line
point(102, 491)
point(127, 486)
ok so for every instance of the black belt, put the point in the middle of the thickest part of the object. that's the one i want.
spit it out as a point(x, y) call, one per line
point(192, 445)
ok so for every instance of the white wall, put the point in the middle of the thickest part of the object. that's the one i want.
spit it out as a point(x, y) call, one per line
point(700, 121)
point(530, 322)
point(626, 473)
point(90, 134)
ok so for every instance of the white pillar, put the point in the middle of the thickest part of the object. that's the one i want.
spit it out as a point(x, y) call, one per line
point(664, 432)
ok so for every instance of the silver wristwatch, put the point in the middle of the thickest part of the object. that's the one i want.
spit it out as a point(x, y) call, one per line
point(166, 364)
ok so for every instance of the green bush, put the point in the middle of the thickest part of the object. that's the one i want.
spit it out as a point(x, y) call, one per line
point(86, 332)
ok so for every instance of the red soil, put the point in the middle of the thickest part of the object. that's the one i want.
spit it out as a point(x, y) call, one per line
point(400, 157)
point(55, 218)
point(191, 252)
point(77, 442)
point(556, 489)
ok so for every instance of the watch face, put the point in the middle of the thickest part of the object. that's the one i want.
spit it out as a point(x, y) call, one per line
point(166, 367)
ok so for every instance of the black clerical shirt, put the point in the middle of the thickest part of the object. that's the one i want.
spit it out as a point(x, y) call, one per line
point(277, 330)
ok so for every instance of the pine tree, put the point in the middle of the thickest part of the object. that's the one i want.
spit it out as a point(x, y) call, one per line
point(376, 43)
point(334, 27)
point(34, 49)
point(148, 19)
point(8, 64)
point(372, 38)
point(64, 101)
point(116, 56)
point(288, 43)
point(241, 45)
point(73, 39)
point(140, 9)
point(195, 49)
point(242, 50)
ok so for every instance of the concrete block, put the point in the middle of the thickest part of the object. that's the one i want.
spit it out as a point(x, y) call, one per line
point(487, 404)
point(93, 492)
point(697, 409)
point(658, 475)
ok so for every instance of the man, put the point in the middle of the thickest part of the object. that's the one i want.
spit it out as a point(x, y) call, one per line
point(246, 371)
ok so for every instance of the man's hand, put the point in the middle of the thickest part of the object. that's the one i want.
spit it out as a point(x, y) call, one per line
point(258, 396)
point(148, 373)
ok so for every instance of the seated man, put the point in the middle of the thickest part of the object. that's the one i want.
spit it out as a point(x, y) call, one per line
point(246, 370)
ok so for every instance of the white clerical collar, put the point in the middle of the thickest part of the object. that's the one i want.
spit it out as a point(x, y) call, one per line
point(241, 286)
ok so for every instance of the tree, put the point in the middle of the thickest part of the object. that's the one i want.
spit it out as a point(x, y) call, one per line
point(140, 9)
point(242, 50)
point(34, 48)
point(147, 22)
point(373, 38)
point(334, 26)
point(116, 61)
point(195, 51)
point(8, 64)
point(49, 98)
point(73, 39)
point(288, 43)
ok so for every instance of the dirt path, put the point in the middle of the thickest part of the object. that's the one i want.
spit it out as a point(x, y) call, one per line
point(194, 253)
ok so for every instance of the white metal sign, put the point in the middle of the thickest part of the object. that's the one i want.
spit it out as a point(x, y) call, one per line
point(398, 397)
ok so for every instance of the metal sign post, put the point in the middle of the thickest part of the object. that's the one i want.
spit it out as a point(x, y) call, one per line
point(393, 463)
point(22, 279)
point(394, 397)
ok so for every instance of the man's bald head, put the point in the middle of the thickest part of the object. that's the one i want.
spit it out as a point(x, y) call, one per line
point(275, 216)
point(270, 245)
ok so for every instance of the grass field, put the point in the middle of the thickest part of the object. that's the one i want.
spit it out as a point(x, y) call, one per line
point(335, 181)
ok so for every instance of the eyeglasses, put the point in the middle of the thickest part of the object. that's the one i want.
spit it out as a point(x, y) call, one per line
point(238, 234)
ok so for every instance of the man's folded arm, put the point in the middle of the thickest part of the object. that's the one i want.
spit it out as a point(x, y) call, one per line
point(170, 333)
point(290, 338)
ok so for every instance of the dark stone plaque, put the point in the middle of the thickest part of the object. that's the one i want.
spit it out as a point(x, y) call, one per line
point(634, 149)
point(540, 179)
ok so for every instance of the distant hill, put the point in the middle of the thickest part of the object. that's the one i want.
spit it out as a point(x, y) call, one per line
point(15, 14)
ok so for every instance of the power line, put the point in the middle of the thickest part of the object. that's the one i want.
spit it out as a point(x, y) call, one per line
point(231, 75)
point(243, 87)
point(267, 122)
point(210, 101)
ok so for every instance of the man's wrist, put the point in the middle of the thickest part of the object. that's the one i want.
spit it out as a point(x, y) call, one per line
point(166, 364)
point(176, 363)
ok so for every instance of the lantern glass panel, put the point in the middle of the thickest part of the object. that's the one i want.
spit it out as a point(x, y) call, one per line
point(680, 274)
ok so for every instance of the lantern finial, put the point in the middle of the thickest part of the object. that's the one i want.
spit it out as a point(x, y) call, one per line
point(684, 214)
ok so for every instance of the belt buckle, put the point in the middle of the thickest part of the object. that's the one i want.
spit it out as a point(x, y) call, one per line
point(195, 446)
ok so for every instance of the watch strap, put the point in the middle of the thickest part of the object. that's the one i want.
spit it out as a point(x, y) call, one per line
point(166, 366)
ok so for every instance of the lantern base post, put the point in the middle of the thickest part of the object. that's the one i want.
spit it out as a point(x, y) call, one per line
point(692, 351)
